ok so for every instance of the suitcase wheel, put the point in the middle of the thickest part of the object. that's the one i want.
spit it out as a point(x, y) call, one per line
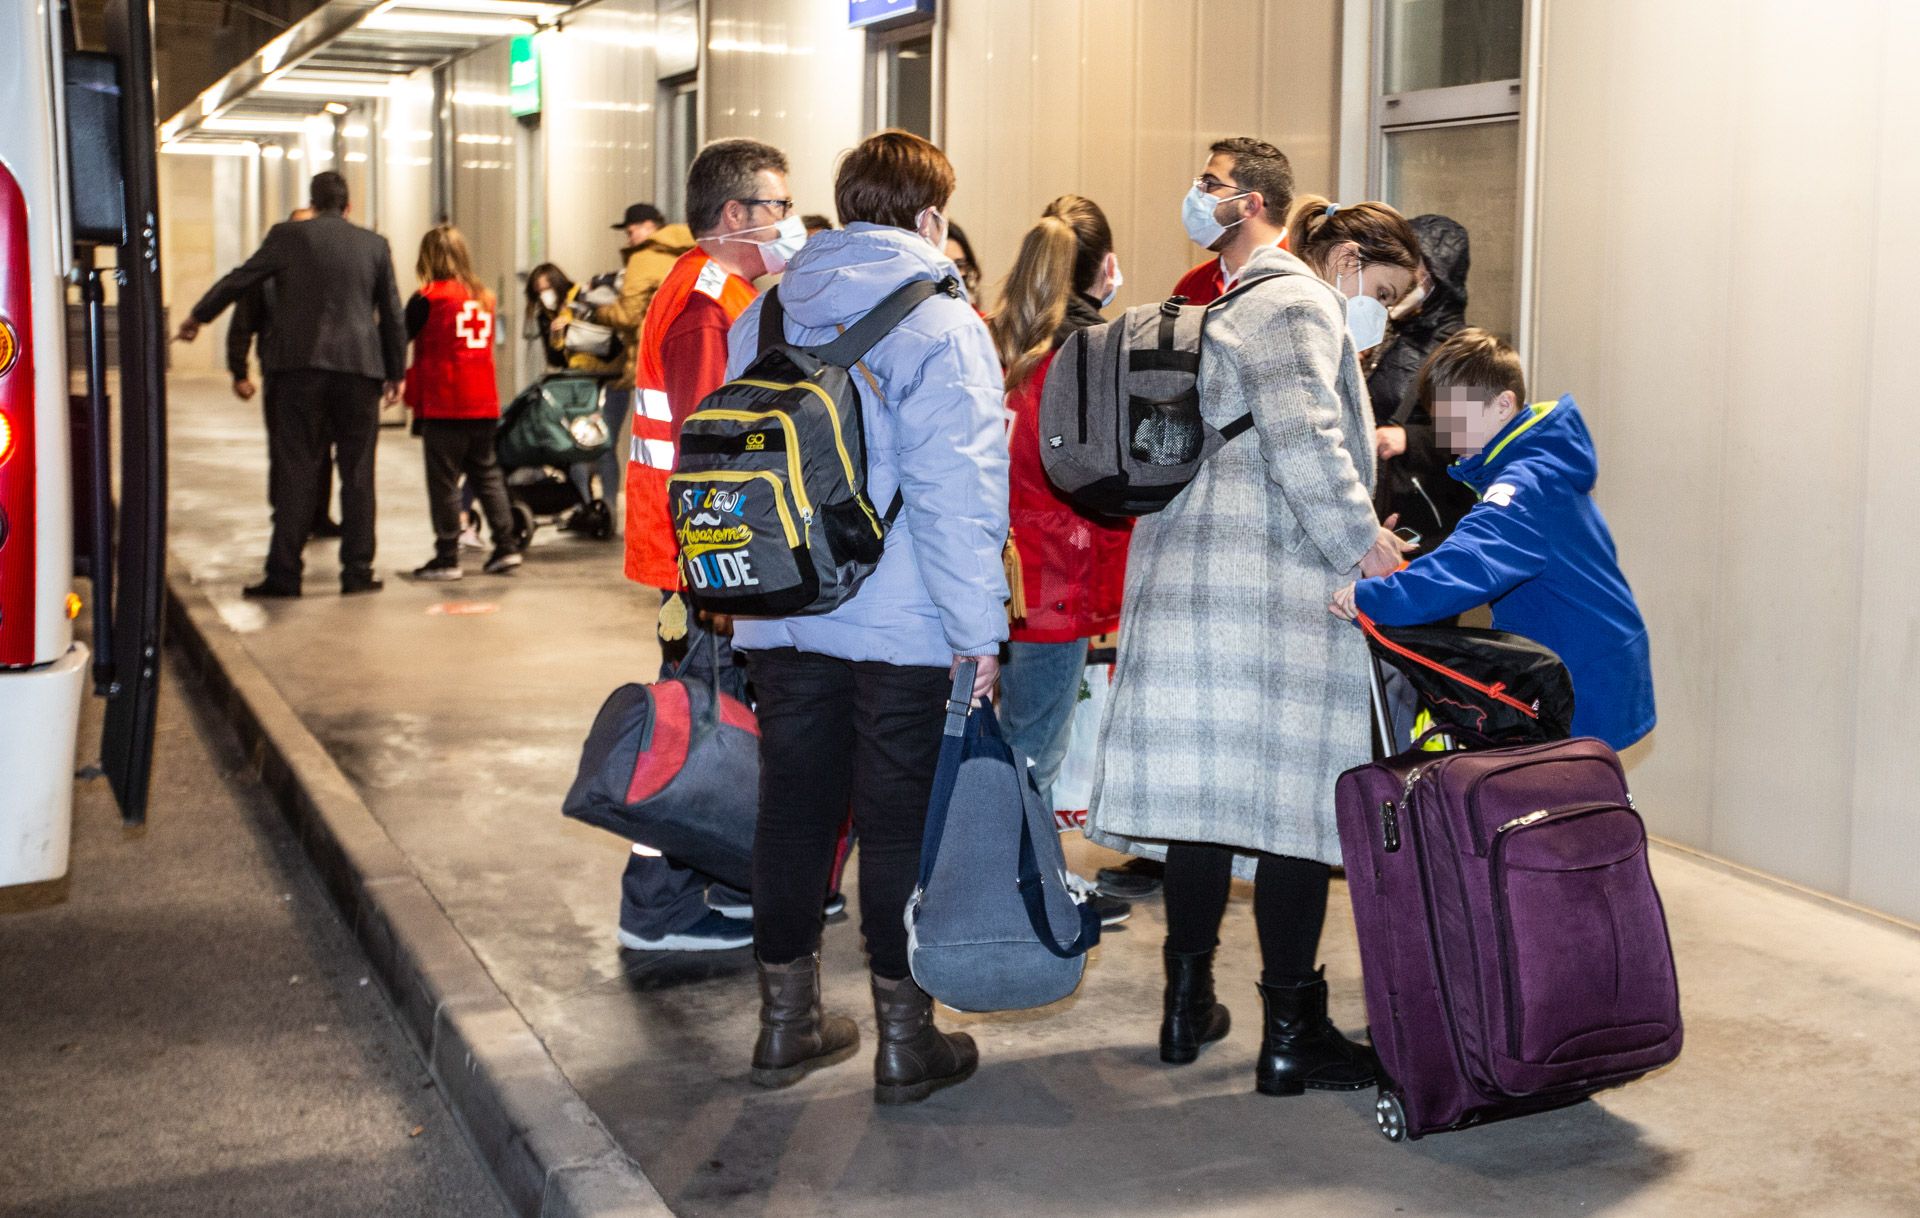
point(1390, 1117)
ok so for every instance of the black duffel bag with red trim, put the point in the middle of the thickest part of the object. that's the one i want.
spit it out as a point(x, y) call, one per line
point(675, 766)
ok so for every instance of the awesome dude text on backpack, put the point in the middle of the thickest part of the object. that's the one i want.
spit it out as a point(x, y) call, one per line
point(769, 492)
point(1120, 426)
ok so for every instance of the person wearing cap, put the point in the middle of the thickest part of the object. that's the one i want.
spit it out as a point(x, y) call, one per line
point(652, 247)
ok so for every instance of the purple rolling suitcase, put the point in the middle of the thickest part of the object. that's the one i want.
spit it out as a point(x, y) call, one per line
point(1515, 950)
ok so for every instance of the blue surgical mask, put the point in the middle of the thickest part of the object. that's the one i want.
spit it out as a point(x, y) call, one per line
point(1114, 283)
point(1196, 216)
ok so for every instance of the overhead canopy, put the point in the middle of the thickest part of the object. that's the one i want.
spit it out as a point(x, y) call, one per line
point(343, 52)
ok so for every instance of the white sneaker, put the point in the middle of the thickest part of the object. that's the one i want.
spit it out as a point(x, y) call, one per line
point(470, 538)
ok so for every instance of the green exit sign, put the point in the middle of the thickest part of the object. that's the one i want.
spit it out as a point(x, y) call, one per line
point(523, 75)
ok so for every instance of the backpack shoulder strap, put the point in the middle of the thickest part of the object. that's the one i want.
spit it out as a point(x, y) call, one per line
point(847, 350)
point(773, 321)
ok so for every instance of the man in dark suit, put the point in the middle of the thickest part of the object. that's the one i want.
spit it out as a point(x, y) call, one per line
point(338, 341)
point(252, 321)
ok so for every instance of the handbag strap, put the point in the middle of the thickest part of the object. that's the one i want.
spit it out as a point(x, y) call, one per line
point(953, 744)
point(1033, 892)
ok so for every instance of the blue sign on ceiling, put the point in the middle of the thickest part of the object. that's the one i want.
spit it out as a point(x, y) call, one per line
point(867, 12)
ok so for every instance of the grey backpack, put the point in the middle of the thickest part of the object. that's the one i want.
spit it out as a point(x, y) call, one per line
point(993, 924)
point(1120, 426)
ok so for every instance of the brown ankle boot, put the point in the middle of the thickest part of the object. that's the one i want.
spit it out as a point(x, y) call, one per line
point(914, 1058)
point(796, 1035)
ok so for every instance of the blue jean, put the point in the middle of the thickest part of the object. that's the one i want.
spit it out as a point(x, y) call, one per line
point(615, 406)
point(1039, 687)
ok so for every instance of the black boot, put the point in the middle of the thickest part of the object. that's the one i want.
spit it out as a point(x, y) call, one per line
point(914, 1059)
point(1192, 1016)
point(1303, 1049)
point(796, 1035)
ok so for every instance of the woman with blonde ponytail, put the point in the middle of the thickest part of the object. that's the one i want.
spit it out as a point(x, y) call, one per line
point(1067, 569)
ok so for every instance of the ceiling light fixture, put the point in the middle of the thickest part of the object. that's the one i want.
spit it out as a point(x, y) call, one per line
point(418, 22)
point(330, 86)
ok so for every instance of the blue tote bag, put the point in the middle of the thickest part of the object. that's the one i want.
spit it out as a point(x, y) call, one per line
point(992, 925)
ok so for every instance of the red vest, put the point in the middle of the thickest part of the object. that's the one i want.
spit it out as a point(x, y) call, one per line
point(452, 372)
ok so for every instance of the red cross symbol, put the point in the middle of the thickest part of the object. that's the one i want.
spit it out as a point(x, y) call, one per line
point(474, 324)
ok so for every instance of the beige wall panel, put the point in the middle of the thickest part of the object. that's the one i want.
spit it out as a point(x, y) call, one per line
point(599, 124)
point(484, 136)
point(1886, 828)
point(789, 74)
point(1003, 194)
point(1299, 104)
point(1167, 152)
point(1796, 380)
point(971, 142)
point(189, 257)
point(1109, 99)
point(405, 148)
point(1058, 97)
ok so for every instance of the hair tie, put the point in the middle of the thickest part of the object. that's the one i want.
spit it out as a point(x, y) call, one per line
point(1331, 209)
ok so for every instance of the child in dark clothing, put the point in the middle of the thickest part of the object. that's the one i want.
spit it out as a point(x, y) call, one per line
point(1535, 546)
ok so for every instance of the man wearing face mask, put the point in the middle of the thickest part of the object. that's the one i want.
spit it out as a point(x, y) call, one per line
point(743, 223)
point(1231, 210)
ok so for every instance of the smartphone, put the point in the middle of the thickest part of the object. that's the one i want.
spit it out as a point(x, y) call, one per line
point(1410, 536)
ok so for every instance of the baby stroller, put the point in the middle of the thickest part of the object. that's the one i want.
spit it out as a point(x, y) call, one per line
point(1490, 686)
point(553, 424)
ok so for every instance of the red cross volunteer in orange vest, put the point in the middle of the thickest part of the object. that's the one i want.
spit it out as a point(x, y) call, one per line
point(683, 358)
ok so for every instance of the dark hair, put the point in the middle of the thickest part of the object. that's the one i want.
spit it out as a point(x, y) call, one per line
point(1383, 234)
point(328, 191)
point(814, 222)
point(546, 270)
point(972, 276)
point(1058, 256)
point(890, 178)
point(1472, 359)
point(1259, 166)
point(722, 173)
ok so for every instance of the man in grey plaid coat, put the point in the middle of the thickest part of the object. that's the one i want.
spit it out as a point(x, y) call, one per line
point(1237, 698)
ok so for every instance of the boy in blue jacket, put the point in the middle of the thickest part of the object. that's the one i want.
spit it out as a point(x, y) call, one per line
point(1535, 546)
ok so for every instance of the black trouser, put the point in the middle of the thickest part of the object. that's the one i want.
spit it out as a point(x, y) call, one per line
point(833, 733)
point(308, 408)
point(322, 515)
point(1289, 906)
point(454, 447)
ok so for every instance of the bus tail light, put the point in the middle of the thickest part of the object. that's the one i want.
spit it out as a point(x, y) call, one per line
point(19, 577)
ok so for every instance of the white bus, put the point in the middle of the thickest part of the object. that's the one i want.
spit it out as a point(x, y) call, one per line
point(77, 178)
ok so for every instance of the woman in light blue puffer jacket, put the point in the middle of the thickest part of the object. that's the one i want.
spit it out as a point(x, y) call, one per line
point(851, 702)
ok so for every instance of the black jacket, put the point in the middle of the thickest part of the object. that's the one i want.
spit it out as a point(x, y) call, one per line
point(252, 319)
point(1417, 485)
point(336, 305)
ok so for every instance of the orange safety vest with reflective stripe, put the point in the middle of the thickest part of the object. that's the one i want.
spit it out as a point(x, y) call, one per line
point(653, 556)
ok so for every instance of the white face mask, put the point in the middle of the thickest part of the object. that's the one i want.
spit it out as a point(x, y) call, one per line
point(1115, 281)
point(789, 235)
point(550, 300)
point(1366, 316)
point(938, 238)
point(1196, 216)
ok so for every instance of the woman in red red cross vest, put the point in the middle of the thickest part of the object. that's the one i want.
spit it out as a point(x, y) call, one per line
point(450, 389)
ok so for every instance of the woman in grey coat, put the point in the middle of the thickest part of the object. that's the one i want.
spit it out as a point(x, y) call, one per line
point(1236, 703)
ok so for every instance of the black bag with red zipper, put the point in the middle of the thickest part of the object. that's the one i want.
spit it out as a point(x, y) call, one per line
point(1500, 686)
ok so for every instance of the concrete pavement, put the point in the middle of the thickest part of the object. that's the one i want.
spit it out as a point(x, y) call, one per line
point(456, 713)
point(187, 1028)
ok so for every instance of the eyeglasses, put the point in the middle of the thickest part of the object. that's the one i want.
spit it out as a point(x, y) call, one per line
point(1208, 183)
point(783, 206)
